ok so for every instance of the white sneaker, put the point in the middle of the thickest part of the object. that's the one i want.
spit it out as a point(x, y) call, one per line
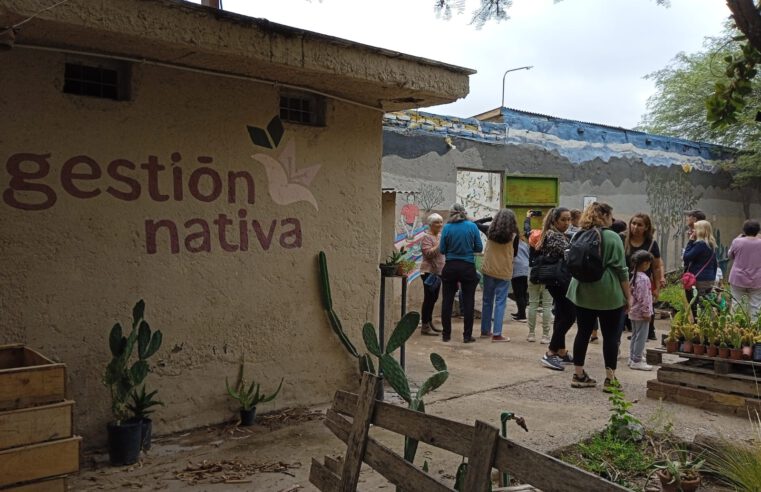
point(641, 366)
point(545, 340)
point(531, 338)
point(629, 362)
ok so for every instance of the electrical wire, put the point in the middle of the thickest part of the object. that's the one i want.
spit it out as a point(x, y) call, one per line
point(204, 71)
point(19, 24)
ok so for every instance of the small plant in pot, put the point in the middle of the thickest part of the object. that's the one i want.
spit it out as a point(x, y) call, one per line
point(393, 262)
point(679, 473)
point(712, 349)
point(747, 344)
point(672, 342)
point(689, 338)
point(140, 407)
point(123, 376)
point(700, 340)
point(736, 352)
point(724, 350)
point(249, 397)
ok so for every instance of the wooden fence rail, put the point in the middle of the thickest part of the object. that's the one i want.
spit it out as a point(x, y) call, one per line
point(351, 415)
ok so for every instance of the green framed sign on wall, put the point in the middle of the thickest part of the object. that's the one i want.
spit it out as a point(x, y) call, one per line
point(522, 193)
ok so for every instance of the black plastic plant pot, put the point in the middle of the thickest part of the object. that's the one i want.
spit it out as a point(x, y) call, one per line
point(380, 392)
point(756, 354)
point(146, 430)
point(247, 417)
point(388, 270)
point(124, 441)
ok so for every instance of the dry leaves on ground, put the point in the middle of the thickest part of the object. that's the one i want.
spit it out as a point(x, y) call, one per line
point(290, 416)
point(229, 471)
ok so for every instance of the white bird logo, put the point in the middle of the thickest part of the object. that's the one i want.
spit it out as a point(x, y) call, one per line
point(287, 184)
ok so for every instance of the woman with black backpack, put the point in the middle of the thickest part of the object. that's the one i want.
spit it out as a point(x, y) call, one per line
point(604, 297)
point(547, 268)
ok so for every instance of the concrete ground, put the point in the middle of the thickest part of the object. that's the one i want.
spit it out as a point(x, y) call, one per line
point(485, 379)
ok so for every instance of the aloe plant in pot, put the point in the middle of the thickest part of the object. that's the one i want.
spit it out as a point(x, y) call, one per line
point(122, 376)
point(140, 407)
point(249, 397)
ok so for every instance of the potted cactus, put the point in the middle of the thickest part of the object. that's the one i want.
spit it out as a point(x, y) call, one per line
point(747, 344)
point(679, 473)
point(697, 342)
point(672, 342)
point(249, 397)
point(713, 343)
point(736, 351)
point(123, 376)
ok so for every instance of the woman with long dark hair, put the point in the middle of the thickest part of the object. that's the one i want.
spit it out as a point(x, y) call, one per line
point(459, 242)
point(552, 246)
point(639, 236)
point(604, 300)
point(497, 269)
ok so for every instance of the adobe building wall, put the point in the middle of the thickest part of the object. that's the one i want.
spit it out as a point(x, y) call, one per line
point(93, 189)
point(630, 170)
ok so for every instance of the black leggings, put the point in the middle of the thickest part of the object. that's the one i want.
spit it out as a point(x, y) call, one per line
point(519, 286)
point(463, 272)
point(565, 316)
point(611, 325)
point(430, 296)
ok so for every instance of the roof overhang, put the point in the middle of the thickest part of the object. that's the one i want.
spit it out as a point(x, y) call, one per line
point(191, 35)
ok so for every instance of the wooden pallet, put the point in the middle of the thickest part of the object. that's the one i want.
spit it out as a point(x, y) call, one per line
point(712, 383)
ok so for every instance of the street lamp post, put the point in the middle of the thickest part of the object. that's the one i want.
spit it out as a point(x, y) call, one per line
point(529, 67)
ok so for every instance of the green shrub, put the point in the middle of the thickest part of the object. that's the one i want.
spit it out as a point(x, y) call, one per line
point(738, 464)
point(673, 295)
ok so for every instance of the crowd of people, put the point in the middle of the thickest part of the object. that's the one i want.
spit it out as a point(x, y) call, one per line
point(612, 290)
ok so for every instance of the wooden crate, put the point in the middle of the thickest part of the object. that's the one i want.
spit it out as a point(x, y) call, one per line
point(38, 461)
point(52, 485)
point(27, 378)
point(35, 424)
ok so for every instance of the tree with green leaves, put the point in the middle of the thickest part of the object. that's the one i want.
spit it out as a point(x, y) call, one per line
point(678, 107)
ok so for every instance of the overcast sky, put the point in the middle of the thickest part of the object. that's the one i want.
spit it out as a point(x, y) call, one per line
point(589, 56)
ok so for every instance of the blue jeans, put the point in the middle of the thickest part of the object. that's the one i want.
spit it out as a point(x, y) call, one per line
point(495, 298)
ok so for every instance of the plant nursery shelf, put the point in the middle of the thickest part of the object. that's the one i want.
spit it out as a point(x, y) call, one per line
point(711, 383)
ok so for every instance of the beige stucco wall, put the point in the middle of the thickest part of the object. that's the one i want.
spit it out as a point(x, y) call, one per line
point(68, 272)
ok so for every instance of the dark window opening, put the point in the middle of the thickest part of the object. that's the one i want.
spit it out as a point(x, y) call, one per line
point(96, 81)
point(305, 109)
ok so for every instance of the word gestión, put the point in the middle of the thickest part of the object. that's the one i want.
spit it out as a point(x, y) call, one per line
point(84, 178)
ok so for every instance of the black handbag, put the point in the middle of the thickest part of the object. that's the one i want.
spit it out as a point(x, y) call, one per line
point(548, 271)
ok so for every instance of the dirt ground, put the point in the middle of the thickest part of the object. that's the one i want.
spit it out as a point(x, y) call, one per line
point(485, 379)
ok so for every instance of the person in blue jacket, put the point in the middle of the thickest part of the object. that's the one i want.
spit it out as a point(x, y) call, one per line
point(700, 260)
point(459, 242)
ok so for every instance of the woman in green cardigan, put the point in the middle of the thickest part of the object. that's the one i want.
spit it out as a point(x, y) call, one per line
point(605, 300)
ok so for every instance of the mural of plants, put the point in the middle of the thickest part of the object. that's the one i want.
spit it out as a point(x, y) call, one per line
point(669, 195)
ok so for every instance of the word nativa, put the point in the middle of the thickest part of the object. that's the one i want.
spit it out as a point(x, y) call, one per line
point(228, 235)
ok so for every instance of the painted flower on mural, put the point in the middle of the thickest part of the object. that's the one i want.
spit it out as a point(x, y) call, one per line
point(287, 183)
point(687, 167)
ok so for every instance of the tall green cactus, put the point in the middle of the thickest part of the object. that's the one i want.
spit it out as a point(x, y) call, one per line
point(392, 370)
point(122, 376)
point(395, 375)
